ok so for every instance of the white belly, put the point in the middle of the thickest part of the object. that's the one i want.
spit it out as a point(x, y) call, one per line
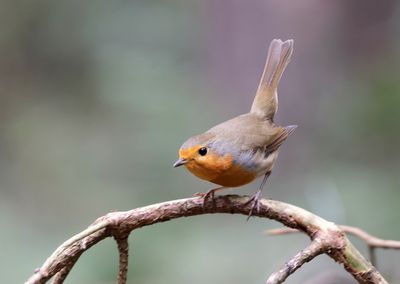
point(266, 164)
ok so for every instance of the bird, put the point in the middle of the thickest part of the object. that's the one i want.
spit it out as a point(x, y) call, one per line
point(239, 150)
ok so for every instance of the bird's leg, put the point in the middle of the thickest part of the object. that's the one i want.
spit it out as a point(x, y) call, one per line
point(255, 199)
point(209, 194)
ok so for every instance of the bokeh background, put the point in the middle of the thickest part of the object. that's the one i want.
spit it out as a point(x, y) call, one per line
point(97, 96)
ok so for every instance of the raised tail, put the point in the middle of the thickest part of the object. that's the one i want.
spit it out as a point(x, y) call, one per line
point(265, 103)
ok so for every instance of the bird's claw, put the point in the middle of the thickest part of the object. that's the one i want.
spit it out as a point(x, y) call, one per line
point(208, 195)
point(255, 204)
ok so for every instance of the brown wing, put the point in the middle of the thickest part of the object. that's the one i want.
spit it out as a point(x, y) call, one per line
point(249, 132)
point(283, 135)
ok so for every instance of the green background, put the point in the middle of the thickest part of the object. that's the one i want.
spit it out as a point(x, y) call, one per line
point(97, 96)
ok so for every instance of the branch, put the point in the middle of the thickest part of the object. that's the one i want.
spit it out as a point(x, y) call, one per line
point(314, 249)
point(372, 241)
point(63, 273)
point(336, 244)
point(123, 248)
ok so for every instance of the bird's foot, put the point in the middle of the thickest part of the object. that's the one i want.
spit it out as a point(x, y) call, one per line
point(199, 194)
point(208, 195)
point(255, 203)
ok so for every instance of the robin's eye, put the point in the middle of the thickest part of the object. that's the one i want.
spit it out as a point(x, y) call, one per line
point(203, 151)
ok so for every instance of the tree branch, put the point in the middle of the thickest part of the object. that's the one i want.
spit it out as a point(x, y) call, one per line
point(123, 247)
point(337, 246)
point(372, 241)
point(310, 252)
point(63, 273)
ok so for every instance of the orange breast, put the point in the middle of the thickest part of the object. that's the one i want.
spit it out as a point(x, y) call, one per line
point(235, 176)
point(220, 170)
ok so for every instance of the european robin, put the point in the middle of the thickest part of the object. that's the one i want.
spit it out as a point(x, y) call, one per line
point(243, 148)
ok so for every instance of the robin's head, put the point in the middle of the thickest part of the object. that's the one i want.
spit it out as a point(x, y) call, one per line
point(202, 157)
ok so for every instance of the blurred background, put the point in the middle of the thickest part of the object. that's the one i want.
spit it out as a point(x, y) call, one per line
point(97, 96)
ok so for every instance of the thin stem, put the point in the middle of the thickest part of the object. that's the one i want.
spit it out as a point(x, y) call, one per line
point(372, 255)
point(123, 249)
point(310, 252)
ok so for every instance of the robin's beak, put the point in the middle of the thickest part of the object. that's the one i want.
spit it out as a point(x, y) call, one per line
point(180, 162)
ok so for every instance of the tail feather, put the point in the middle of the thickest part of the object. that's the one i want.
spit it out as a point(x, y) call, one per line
point(265, 103)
